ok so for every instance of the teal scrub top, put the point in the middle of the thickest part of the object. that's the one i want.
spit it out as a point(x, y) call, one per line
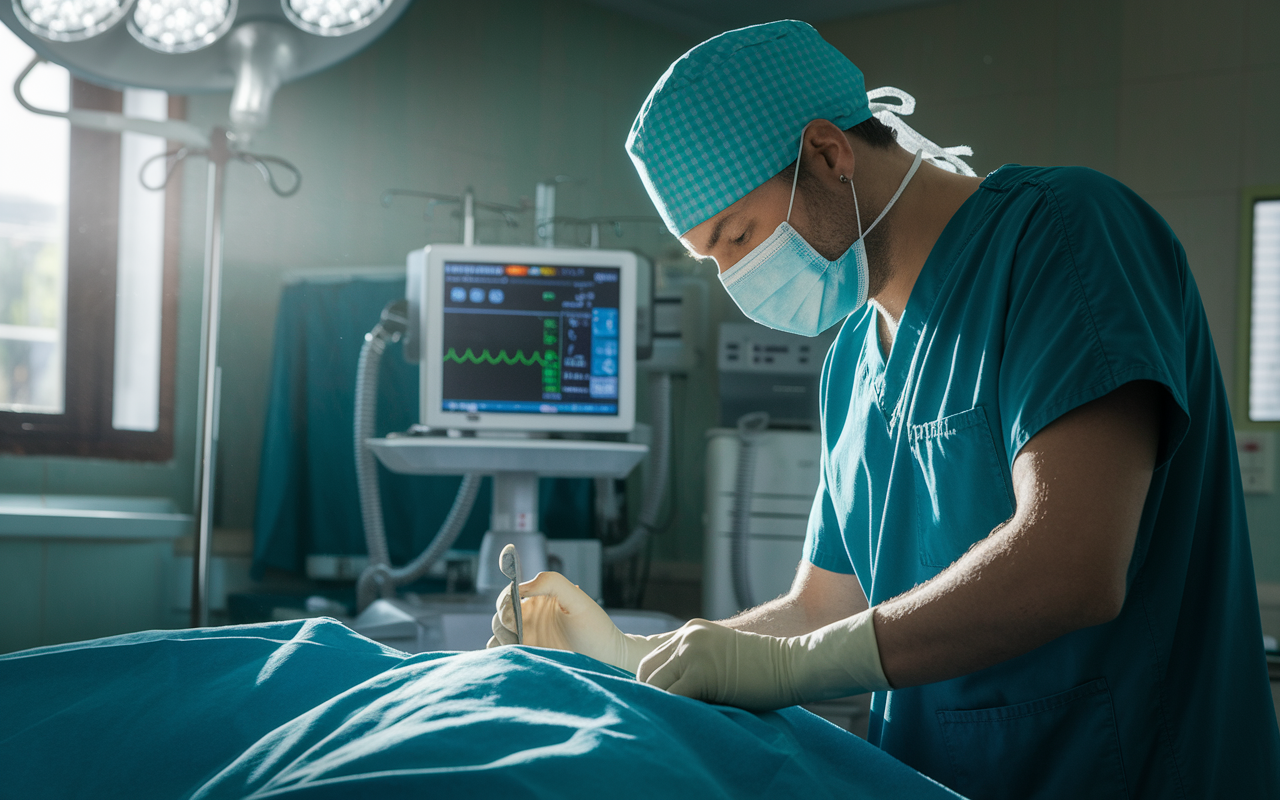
point(1051, 287)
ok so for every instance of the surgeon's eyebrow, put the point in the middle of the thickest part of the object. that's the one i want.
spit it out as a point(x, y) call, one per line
point(717, 230)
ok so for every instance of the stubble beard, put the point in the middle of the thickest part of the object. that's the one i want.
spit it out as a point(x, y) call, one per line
point(878, 258)
point(834, 219)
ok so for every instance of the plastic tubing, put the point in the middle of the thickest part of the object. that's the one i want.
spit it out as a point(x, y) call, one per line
point(384, 578)
point(380, 578)
point(366, 466)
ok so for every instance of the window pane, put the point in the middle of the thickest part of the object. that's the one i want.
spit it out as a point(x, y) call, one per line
point(139, 272)
point(1264, 338)
point(33, 236)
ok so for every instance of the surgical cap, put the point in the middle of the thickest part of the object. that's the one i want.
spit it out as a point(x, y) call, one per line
point(728, 115)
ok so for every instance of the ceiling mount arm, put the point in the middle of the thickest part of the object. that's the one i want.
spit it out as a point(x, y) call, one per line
point(17, 90)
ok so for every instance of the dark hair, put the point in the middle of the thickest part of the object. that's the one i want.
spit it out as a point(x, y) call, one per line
point(875, 133)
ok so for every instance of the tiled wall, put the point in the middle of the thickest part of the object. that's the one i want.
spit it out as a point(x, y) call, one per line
point(1178, 99)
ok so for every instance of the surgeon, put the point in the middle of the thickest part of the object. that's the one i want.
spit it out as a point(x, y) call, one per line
point(1029, 537)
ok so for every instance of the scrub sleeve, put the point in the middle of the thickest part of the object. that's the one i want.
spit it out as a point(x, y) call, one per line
point(1091, 308)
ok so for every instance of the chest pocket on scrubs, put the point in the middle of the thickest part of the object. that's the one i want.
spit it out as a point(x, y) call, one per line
point(961, 492)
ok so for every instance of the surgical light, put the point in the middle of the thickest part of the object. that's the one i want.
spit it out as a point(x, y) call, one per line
point(181, 26)
point(333, 17)
point(69, 20)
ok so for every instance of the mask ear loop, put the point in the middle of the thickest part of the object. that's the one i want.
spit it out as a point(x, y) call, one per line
point(915, 165)
point(857, 213)
point(796, 175)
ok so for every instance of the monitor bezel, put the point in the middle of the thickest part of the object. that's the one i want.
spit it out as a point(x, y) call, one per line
point(433, 259)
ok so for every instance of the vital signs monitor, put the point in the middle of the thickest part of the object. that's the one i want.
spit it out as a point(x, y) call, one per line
point(525, 338)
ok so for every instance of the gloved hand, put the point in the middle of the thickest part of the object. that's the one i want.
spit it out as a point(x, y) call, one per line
point(559, 615)
point(710, 662)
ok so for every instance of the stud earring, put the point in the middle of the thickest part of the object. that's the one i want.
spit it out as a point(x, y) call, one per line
point(843, 179)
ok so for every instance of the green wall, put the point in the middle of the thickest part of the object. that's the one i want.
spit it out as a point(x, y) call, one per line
point(1180, 100)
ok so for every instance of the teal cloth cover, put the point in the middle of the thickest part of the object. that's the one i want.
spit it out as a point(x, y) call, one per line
point(309, 709)
point(307, 499)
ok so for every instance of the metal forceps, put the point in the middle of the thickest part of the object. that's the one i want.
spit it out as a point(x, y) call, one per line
point(509, 563)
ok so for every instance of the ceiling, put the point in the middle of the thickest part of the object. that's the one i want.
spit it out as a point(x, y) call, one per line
point(704, 18)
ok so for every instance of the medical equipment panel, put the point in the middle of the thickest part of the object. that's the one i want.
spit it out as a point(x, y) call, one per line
point(766, 370)
point(530, 339)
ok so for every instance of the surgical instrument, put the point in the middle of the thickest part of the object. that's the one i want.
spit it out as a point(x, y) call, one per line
point(509, 563)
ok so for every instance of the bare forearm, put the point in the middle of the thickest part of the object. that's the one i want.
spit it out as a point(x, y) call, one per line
point(782, 616)
point(818, 598)
point(987, 608)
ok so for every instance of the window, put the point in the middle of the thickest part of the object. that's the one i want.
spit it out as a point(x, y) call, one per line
point(139, 274)
point(33, 241)
point(1260, 307)
point(88, 274)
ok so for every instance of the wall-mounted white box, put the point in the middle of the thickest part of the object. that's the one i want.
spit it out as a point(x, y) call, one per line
point(1257, 453)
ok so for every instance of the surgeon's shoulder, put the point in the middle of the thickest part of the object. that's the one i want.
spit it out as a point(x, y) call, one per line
point(1101, 226)
point(1074, 193)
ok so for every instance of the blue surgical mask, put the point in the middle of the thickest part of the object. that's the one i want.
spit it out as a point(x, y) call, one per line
point(787, 285)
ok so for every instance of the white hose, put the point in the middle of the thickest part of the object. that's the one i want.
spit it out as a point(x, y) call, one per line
point(380, 578)
point(383, 578)
point(366, 412)
point(655, 491)
point(749, 429)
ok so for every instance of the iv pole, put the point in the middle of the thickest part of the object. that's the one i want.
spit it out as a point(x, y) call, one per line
point(219, 153)
point(210, 392)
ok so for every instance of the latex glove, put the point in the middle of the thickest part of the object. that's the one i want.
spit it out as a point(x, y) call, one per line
point(710, 662)
point(559, 615)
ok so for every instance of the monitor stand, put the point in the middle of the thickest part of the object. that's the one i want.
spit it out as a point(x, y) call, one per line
point(515, 464)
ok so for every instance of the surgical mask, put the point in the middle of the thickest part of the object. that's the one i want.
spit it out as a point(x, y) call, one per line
point(785, 284)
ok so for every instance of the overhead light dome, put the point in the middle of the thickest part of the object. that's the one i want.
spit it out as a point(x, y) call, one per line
point(181, 26)
point(69, 20)
point(194, 46)
point(333, 17)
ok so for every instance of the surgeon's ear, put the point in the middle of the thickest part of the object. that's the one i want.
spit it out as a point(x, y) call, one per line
point(827, 152)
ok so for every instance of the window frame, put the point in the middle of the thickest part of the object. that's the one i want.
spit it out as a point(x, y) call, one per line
point(1244, 310)
point(93, 213)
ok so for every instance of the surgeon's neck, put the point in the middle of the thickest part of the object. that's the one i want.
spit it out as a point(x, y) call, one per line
point(914, 224)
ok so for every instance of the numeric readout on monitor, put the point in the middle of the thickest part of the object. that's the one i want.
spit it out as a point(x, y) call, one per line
point(528, 339)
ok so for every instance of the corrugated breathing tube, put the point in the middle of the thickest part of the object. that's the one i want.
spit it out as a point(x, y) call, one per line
point(380, 578)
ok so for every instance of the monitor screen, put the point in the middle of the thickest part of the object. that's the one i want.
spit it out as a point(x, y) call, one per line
point(530, 339)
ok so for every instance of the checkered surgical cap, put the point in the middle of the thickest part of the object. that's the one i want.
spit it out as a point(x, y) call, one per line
point(728, 115)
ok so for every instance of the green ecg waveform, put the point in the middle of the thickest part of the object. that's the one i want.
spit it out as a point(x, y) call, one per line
point(485, 357)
